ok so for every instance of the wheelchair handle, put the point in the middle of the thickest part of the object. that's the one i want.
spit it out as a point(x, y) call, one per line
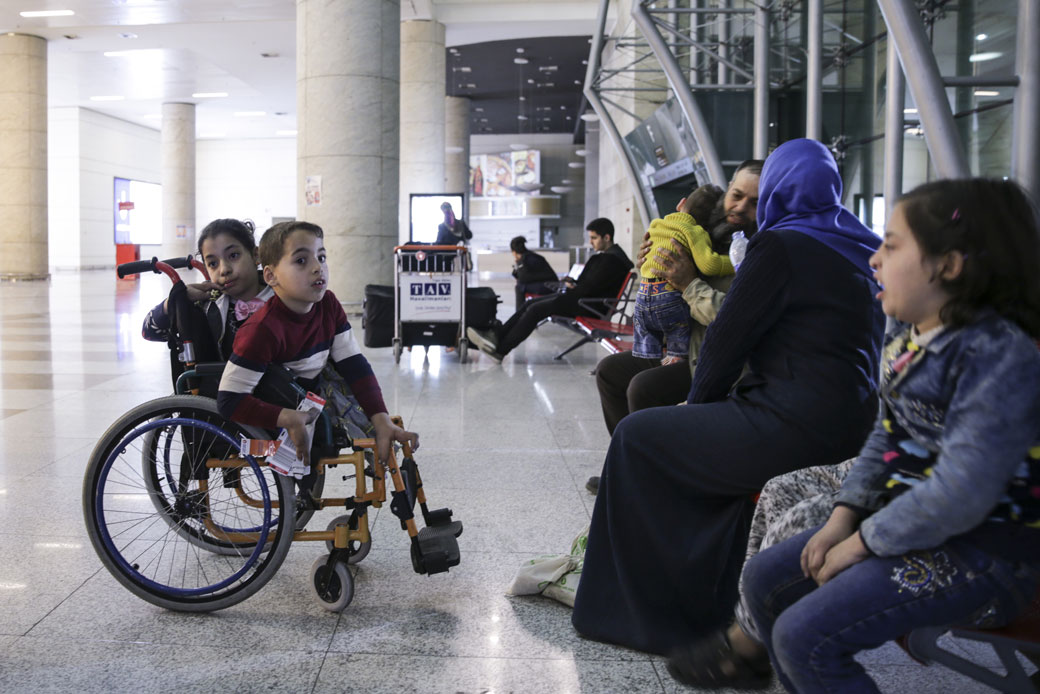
point(165, 266)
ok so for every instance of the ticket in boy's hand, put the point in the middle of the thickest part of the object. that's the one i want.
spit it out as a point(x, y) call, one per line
point(257, 447)
point(284, 460)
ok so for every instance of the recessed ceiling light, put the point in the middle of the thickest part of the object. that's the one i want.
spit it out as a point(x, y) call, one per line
point(465, 68)
point(569, 118)
point(519, 50)
point(530, 81)
point(909, 110)
point(589, 116)
point(566, 181)
point(581, 152)
point(986, 92)
point(249, 114)
point(47, 13)
point(576, 164)
point(521, 61)
point(521, 117)
point(983, 57)
point(107, 98)
point(471, 86)
point(479, 109)
point(209, 95)
point(981, 37)
point(523, 98)
point(561, 189)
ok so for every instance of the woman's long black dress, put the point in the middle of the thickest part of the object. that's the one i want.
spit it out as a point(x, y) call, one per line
point(675, 498)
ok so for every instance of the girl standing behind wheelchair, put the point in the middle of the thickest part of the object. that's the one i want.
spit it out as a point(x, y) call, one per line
point(236, 289)
point(939, 521)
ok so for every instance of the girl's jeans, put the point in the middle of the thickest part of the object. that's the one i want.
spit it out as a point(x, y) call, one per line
point(812, 632)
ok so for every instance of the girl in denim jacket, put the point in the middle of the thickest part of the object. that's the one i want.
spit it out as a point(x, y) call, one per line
point(939, 521)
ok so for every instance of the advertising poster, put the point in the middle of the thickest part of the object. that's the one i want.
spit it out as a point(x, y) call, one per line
point(312, 191)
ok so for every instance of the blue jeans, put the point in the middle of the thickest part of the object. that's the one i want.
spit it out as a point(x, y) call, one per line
point(812, 632)
point(662, 320)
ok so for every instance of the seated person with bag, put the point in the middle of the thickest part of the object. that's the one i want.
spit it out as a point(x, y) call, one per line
point(532, 272)
point(302, 327)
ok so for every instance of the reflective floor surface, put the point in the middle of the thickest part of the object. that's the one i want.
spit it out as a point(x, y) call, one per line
point(508, 447)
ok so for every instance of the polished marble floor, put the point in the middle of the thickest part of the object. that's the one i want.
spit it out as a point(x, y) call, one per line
point(508, 447)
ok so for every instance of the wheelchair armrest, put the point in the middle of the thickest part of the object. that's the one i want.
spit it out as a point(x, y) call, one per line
point(208, 369)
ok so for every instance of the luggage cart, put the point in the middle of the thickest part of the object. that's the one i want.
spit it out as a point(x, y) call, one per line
point(430, 298)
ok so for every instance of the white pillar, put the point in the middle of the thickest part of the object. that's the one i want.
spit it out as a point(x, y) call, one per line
point(347, 143)
point(422, 112)
point(178, 179)
point(23, 157)
point(456, 145)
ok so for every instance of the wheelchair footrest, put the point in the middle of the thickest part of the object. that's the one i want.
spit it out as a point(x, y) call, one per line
point(437, 517)
point(436, 549)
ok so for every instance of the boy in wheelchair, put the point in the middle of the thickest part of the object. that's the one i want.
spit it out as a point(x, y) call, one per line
point(304, 328)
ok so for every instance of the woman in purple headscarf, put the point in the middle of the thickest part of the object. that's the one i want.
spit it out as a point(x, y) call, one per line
point(675, 499)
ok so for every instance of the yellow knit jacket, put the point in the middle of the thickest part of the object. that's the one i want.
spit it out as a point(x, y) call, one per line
point(693, 237)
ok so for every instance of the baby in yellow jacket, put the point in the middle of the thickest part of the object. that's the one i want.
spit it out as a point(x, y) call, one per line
point(662, 318)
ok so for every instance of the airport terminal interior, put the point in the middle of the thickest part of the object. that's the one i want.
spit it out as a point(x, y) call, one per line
point(507, 445)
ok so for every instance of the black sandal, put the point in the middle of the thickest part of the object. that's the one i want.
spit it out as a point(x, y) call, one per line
point(701, 664)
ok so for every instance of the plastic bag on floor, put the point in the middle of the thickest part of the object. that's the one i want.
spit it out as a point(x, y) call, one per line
point(555, 576)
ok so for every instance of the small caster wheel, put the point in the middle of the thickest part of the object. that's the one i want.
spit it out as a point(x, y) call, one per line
point(463, 350)
point(398, 348)
point(358, 550)
point(335, 589)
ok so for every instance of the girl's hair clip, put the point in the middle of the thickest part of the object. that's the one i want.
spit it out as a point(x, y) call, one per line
point(956, 214)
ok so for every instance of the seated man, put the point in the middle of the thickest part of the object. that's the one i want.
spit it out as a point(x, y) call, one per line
point(532, 272)
point(602, 278)
point(627, 383)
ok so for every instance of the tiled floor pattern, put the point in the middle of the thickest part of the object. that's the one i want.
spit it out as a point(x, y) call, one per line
point(508, 447)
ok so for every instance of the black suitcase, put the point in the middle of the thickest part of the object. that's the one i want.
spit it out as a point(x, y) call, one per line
point(481, 307)
point(377, 315)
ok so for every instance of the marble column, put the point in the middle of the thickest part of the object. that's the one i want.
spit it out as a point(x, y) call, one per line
point(23, 157)
point(177, 157)
point(456, 145)
point(422, 112)
point(347, 95)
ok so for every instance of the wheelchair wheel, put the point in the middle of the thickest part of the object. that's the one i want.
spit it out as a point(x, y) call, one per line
point(166, 475)
point(148, 524)
point(333, 588)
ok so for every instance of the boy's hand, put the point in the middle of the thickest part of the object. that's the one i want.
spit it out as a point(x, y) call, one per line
point(387, 432)
point(295, 422)
point(839, 527)
point(846, 553)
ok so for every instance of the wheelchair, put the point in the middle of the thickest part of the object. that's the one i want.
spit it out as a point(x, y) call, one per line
point(184, 518)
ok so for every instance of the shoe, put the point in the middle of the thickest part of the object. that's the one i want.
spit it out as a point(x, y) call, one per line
point(593, 484)
point(486, 341)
